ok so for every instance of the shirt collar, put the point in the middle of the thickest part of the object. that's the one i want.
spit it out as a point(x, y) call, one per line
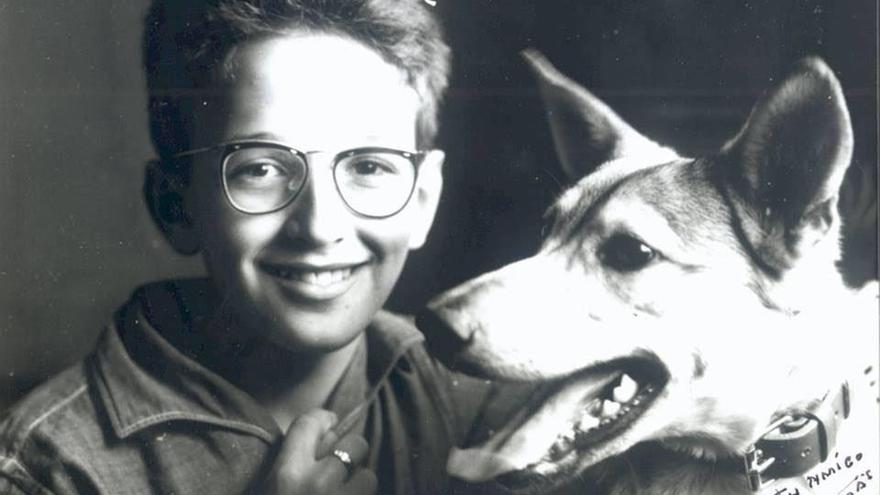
point(143, 380)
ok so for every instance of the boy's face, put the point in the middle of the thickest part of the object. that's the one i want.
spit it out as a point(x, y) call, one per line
point(310, 276)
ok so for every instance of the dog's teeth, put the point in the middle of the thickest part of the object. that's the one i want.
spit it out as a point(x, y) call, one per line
point(563, 444)
point(568, 436)
point(609, 408)
point(593, 407)
point(626, 390)
point(556, 451)
point(587, 421)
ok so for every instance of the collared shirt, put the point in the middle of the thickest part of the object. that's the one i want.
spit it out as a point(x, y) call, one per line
point(139, 416)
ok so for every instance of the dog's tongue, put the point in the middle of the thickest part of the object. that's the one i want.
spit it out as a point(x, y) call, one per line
point(528, 437)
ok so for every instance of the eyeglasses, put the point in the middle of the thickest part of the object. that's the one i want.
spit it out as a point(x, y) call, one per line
point(265, 176)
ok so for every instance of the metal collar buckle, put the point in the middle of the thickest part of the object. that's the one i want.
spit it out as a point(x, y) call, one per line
point(792, 445)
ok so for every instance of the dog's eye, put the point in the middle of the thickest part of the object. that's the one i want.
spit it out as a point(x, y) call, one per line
point(625, 253)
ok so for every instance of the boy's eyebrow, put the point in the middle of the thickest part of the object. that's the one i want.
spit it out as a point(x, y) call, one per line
point(268, 136)
point(261, 136)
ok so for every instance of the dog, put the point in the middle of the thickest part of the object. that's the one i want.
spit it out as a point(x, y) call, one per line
point(681, 314)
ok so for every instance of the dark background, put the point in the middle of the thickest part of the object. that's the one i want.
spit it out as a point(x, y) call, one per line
point(75, 238)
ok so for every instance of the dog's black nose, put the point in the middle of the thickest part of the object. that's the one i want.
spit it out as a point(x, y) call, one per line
point(441, 340)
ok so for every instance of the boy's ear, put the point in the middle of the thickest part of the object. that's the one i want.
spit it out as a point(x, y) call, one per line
point(427, 196)
point(785, 166)
point(164, 194)
point(586, 132)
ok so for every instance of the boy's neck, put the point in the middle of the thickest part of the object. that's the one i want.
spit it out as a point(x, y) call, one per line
point(285, 382)
point(288, 384)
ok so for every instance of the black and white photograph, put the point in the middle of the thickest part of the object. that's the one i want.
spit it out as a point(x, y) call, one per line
point(510, 247)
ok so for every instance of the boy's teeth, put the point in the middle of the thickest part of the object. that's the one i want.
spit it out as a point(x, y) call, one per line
point(322, 278)
point(626, 390)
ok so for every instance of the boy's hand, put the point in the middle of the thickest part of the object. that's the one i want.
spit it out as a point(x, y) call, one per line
point(306, 465)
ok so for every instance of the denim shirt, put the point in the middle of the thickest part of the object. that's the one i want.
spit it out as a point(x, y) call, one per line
point(138, 416)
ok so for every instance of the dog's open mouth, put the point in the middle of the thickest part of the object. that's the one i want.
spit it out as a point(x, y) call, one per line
point(565, 426)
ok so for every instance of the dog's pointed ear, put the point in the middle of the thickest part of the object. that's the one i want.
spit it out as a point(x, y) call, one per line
point(785, 166)
point(586, 132)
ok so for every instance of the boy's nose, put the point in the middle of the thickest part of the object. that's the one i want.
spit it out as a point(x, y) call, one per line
point(319, 216)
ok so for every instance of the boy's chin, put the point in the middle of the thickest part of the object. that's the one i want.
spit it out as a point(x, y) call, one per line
point(305, 332)
point(302, 326)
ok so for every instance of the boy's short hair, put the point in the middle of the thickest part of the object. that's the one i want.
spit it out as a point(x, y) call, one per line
point(185, 40)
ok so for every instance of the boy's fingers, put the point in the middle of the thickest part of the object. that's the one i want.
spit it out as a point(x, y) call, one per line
point(302, 439)
point(334, 478)
point(353, 445)
point(307, 460)
point(325, 445)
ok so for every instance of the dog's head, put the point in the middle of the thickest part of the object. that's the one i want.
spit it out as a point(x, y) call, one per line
point(670, 299)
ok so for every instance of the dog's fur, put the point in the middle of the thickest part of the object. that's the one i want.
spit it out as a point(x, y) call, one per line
point(717, 274)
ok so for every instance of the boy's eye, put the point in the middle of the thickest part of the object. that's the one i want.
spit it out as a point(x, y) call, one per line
point(375, 171)
point(370, 166)
point(257, 170)
point(624, 253)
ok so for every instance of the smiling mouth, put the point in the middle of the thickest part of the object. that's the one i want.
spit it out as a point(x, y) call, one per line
point(313, 282)
point(567, 426)
point(314, 277)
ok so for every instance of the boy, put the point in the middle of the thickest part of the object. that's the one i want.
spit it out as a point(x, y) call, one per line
point(294, 155)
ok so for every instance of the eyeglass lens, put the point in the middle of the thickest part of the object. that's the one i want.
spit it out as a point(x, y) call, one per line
point(373, 183)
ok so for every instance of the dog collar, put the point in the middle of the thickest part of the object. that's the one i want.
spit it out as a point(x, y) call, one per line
point(792, 445)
